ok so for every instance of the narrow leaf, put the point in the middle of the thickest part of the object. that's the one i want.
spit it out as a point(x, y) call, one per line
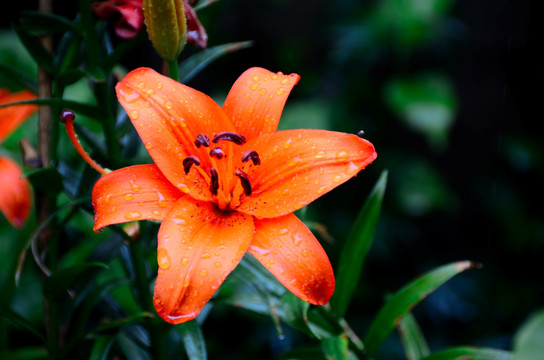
point(92, 111)
point(32, 44)
point(336, 348)
point(18, 320)
point(471, 353)
point(121, 322)
point(356, 248)
point(528, 344)
point(61, 280)
point(42, 23)
point(405, 299)
point(18, 77)
point(296, 312)
point(192, 66)
point(415, 345)
point(101, 347)
point(193, 340)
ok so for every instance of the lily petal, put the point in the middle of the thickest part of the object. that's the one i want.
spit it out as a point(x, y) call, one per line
point(12, 116)
point(298, 166)
point(256, 100)
point(169, 116)
point(198, 246)
point(289, 250)
point(132, 193)
point(15, 195)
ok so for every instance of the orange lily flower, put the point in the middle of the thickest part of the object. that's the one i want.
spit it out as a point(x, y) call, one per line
point(15, 196)
point(225, 182)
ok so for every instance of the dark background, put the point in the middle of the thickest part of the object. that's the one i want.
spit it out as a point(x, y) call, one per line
point(481, 190)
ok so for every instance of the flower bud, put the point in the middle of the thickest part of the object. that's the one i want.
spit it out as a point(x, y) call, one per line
point(166, 26)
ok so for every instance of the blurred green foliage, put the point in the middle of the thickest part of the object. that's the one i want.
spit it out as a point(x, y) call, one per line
point(442, 88)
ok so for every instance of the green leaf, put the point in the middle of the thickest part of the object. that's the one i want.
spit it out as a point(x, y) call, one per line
point(472, 353)
point(92, 111)
point(35, 48)
point(193, 65)
point(336, 348)
point(47, 179)
point(26, 353)
point(415, 345)
point(18, 77)
point(193, 340)
point(61, 280)
point(18, 320)
point(356, 248)
point(121, 322)
point(399, 304)
point(41, 23)
point(101, 347)
point(528, 344)
point(296, 312)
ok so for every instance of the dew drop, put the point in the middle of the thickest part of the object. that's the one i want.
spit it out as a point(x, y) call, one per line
point(352, 168)
point(179, 221)
point(218, 264)
point(133, 215)
point(129, 96)
point(275, 148)
point(337, 178)
point(281, 91)
point(285, 81)
point(254, 86)
point(288, 143)
point(163, 259)
point(203, 272)
point(150, 92)
point(184, 188)
point(184, 261)
point(322, 189)
point(135, 187)
point(320, 154)
point(134, 114)
point(128, 196)
point(156, 213)
point(168, 104)
point(297, 239)
point(304, 253)
point(283, 231)
point(206, 256)
point(342, 155)
point(159, 85)
point(262, 91)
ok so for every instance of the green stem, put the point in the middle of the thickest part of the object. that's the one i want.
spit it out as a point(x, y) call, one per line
point(156, 329)
point(173, 71)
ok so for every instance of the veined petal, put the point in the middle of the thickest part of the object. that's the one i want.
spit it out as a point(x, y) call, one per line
point(133, 193)
point(169, 116)
point(198, 246)
point(298, 166)
point(15, 194)
point(12, 116)
point(289, 250)
point(256, 100)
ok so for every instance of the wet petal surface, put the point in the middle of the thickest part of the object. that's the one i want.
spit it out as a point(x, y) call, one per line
point(289, 250)
point(133, 193)
point(198, 246)
point(15, 194)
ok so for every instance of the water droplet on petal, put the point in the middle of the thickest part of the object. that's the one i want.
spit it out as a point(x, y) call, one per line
point(206, 256)
point(342, 155)
point(283, 231)
point(163, 259)
point(183, 188)
point(320, 154)
point(288, 143)
point(128, 196)
point(255, 86)
point(135, 187)
point(281, 91)
point(285, 81)
point(337, 178)
point(203, 272)
point(322, 189)
point(156, 213)
point(133, 215)
point(256, 78)
point(179, 221)
point(129, 96)
point(218, 264)
point(134, 114)
point(168, 104)
point(352, 168)
point(184, 261)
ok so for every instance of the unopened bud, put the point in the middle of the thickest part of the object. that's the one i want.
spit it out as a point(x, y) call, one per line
point(166, 26)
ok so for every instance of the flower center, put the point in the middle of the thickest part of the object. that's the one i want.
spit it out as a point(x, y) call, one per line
point(226, 183)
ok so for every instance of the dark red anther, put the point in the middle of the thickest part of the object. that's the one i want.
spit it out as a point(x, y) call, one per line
point(230, 136)
point(217, 153)
point(67, 115)
point(253, 156)
point(202, 140)
point(360, 133)
point(189, 161)
point(244, 180)
point(214, 184)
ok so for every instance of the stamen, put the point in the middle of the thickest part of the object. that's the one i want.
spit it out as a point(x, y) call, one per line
point(360, 133)
point(202, 140)
point(214, 181)
point(217, 153)
point(230, 136)
point(244, 180)
point(67, 117)
point(253, 156)
point(189, 161)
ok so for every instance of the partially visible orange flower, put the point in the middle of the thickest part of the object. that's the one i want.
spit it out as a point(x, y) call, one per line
point(225, 182)
point(15, 194)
